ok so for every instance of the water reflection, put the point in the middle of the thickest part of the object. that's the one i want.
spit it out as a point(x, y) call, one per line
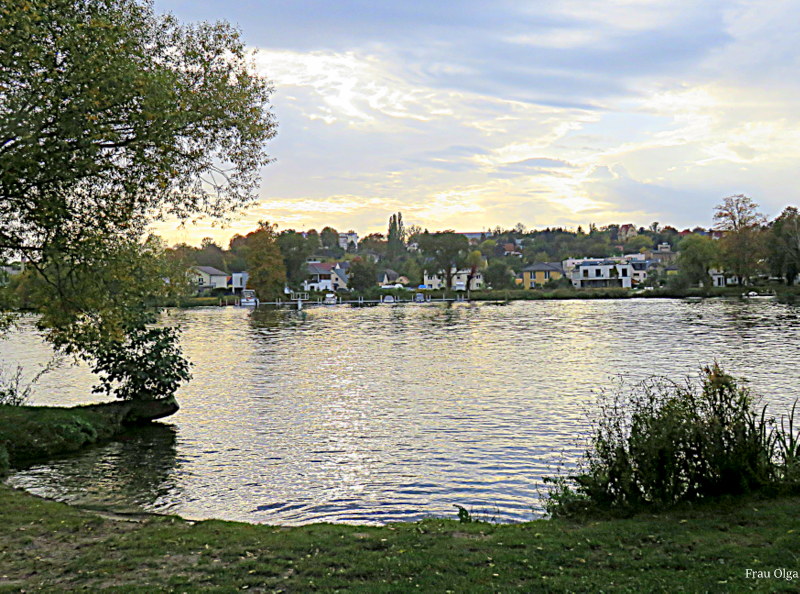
point(135, 471)
point(385, 413)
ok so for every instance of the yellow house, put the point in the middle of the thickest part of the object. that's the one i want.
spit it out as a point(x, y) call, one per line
point(538, 273)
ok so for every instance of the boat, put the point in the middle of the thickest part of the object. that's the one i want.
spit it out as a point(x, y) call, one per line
point(248, 298)
point(330, 299)
point(388, 299)
point(419, 298)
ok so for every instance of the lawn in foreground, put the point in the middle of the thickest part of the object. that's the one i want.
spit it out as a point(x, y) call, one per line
point(710, 548)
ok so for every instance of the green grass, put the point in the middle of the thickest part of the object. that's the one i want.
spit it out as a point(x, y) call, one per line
point(51, 546)
point(34, 432)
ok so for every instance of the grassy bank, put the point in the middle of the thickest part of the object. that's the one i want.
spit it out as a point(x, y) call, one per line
point(53, 546)
point(30, 433)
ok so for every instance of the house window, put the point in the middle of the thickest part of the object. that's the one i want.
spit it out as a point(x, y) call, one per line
point(546, 275)
point(598, 272)
point(533, 284)
point(623, 272)
point(585, 273)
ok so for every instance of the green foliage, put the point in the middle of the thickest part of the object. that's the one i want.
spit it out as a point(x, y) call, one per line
point(637, 244)
point(666, 443)
point(396, 236)
point(329, 237)
point(177, 127)
point(464, 517)
point(176, 102)
point(146, 365)
point(498, 276)
point(113, 285)
point(697, 254)
point(295, 250)
point(265, 263)
point(742, 247)
point(361, 275)
point(446, 250)
point(783, 246)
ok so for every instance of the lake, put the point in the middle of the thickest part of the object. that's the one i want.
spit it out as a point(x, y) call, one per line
point(380, 414)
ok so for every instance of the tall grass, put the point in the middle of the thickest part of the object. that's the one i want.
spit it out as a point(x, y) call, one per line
point(665, 442)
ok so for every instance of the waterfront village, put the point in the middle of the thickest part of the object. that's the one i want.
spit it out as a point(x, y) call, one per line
point(744, 249)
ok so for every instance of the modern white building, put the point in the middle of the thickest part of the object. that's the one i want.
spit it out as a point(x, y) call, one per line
point(601, 274)
point(437, 280)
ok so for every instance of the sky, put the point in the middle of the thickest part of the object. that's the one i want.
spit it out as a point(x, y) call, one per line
point(467, 115)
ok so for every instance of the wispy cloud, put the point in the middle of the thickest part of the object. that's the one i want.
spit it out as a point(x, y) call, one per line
point(571, 112)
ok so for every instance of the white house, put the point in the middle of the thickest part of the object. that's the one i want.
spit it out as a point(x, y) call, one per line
point(345, 239)
point(437, 280)
point(326, 276)
point(239, 281)
point(720, 279)
point(602, 273)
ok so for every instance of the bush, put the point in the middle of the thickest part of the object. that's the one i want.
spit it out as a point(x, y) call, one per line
point(146, 365)
point(666, 443)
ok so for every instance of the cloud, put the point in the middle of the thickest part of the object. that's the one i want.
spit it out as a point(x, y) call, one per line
point(549, 114)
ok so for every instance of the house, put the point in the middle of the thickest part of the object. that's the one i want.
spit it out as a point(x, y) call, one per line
point(459, 283)
point(641, 269)
point(663, 254)
point(387, 277)
point(238, 281)
point(627, 232)
point(326, 276)
point(720, 278)
point(538, 273)
point(601, 274)
point(208, 278)
point(345, 239)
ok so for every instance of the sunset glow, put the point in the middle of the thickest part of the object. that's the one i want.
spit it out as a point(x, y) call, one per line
point(581, 112)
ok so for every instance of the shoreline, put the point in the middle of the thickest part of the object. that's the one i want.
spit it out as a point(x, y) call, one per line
point(709, 547)
point(51, 545)
point(780, 294)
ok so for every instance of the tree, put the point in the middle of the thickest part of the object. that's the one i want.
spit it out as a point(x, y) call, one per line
point(178, 125)
point(329, 237)
point(697, 254)
point(474, 261)
point(312, 237)
point(112, 117)
point(741, 247)
point(374, 244)
point(446, 251)
point(362, 275)
point(498, 275)
point(295, 250)
point(783, 251)
point(211, 254)
point(265, 262)
point(638, 243)
point(396, 236)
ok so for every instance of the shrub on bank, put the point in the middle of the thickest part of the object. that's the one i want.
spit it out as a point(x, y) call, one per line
point(667, 443)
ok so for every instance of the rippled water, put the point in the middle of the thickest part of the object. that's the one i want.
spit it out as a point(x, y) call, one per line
point(370, 415)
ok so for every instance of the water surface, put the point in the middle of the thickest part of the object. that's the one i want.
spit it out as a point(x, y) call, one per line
point(370, 415)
